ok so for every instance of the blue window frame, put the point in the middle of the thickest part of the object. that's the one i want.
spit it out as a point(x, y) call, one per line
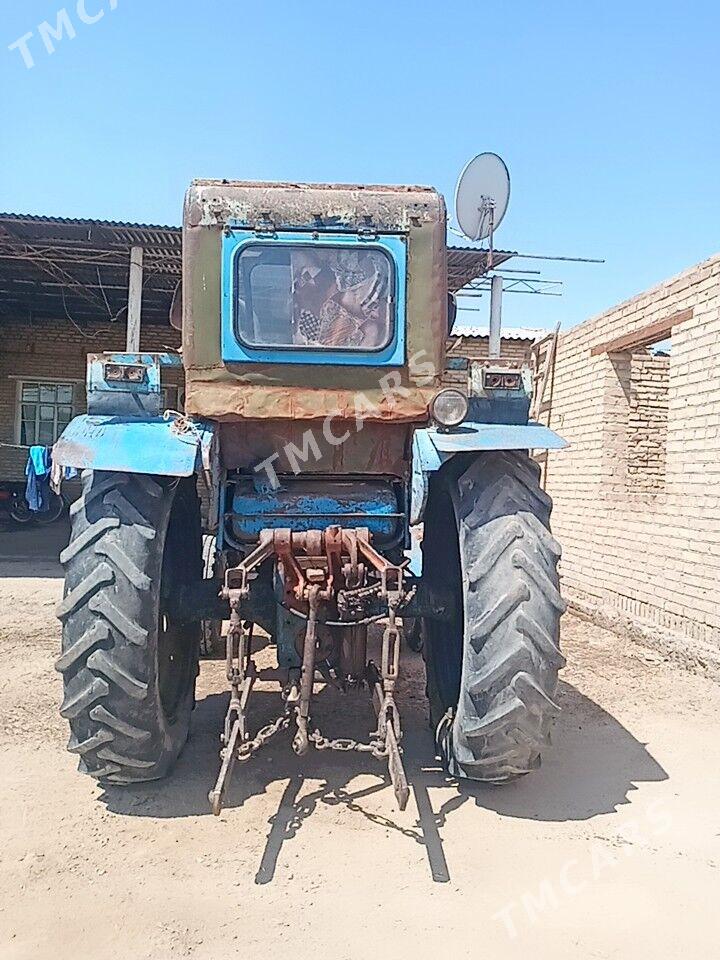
point(261, 317)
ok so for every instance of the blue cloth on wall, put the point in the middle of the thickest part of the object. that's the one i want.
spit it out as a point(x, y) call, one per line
point(37, 471)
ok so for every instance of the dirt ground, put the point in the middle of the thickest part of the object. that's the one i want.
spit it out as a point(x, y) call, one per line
point(610, 850)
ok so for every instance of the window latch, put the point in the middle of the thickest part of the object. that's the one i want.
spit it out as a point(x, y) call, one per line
point(367, 231)
point(264, 225)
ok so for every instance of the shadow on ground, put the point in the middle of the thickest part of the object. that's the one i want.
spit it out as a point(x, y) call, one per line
point(594, 764)
point(32, 550)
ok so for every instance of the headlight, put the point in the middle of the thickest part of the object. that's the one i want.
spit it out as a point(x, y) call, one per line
point(449, 408)
point(501, 380)
point(130, 373)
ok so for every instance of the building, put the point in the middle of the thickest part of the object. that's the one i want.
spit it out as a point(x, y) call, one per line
point(636, 392)
point(64, 294)
point(472, 341)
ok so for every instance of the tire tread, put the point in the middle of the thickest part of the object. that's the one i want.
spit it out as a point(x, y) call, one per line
point(512, 608)
point(113, 567)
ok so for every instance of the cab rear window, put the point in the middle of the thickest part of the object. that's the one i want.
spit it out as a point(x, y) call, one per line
point(314, 297)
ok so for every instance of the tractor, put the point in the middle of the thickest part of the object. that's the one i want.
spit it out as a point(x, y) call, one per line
point(344, 485)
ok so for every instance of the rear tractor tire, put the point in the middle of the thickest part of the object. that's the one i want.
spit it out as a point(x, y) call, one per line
point(128, 666)
point(492, 673)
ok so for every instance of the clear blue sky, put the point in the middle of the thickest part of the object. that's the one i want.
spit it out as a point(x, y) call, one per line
point(606, 113)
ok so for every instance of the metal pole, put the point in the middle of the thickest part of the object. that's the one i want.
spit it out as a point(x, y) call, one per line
point(496, 288)
point(134, 300)
point(540, 256)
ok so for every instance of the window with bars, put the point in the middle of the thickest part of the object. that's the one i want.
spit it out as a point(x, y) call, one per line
point(45, 410)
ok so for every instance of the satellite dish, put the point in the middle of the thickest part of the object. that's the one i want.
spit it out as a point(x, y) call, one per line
point(482, 195)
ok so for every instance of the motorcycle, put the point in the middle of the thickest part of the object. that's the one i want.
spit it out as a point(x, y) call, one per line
point(14, 504)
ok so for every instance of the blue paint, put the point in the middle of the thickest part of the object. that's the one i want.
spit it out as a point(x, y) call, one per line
point(132, 445)
point(496, 436)
point(502, 409)
point(300, 508)
point(289, 635)
point(425, 460)
point(498, 405)
point(121, 397)
point(233, 351)
point(414, 556)
point(432, 448)
point(162, 359)
point(456, 363)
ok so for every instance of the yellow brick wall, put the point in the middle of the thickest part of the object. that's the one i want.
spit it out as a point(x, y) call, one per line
point(647, 418)
point(647, 557)
point(476, 348)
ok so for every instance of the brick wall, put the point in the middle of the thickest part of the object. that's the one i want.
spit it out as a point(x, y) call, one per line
point(637, 493)
point(58, 351)
point(476, 348)
point(647, 421)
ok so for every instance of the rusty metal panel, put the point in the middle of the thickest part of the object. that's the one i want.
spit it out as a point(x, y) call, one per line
point(201, 299)
point(375, 449)
point(215, 202)
point(131, 445)
point(217, 399)
point(219, 391)
point(307, 503)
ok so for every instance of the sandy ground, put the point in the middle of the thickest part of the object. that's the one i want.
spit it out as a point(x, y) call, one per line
point(610, 850)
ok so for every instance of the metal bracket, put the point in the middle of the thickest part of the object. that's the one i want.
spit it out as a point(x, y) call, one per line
point(315, 565)
point(264, 225)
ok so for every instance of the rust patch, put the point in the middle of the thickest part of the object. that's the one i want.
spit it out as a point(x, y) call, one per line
point(376, 449)
point(70, 453)
point(223, 401)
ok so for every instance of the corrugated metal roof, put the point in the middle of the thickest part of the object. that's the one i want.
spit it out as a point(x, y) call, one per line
point(467, 263)
point(54, 266)
point(508, 333)
point(60, 266)
point(84, 222)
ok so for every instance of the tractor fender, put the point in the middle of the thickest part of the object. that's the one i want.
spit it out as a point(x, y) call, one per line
point(432, 448)
point(174, 447)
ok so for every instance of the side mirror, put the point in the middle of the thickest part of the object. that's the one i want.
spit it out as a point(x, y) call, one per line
point(452, 312)
point(176, 307)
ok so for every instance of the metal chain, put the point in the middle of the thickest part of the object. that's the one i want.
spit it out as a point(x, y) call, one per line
point(346, 744)
point(376, 746)
point(249, 747)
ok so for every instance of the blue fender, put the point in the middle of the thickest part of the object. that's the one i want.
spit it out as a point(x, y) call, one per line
point(171, 448)
point(432, 448)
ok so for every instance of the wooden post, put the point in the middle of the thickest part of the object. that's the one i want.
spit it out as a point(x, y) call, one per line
point(134, 299)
